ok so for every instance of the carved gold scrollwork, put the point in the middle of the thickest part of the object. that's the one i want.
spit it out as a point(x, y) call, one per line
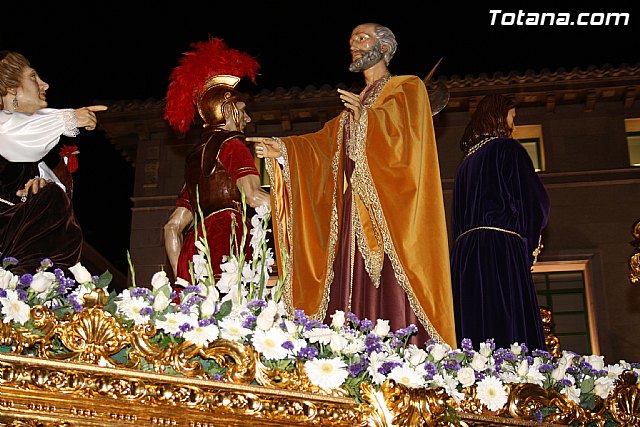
point(624, 402)
point(525, 399)
point(413, 406)
point(552, 341)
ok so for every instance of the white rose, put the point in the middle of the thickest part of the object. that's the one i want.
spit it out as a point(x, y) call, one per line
point(467, 377)
point(485, 349)
point(159, 280)
point(516, 348)
point(81, 274)
point(160, 302)
point(208, 306)
point(439, 351)
point(596, 362)
point(415, 355)
point(603, 387)
point(43, 281)
point(338, 343)
point(479, 362)
point(7, 279)
point(267, 318)
point(523, 368)
point(382, 328)
point(337, 319)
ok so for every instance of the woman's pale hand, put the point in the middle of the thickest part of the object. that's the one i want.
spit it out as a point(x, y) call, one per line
point(265, 147)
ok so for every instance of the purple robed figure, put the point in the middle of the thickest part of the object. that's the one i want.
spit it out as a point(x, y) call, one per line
point(499, 210)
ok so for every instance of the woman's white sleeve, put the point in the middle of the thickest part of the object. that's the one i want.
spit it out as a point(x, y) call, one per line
point(29, 137)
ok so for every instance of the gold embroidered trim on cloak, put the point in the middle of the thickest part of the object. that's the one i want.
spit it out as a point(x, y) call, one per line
point(373, 260)
point(376, 209)
point(287, 294)
point(333, 227)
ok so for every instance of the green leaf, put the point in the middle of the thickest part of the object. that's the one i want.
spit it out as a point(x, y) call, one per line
point(104, 280)
point(224, 311)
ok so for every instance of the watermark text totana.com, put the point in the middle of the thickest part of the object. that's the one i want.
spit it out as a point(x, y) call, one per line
point(500, 17)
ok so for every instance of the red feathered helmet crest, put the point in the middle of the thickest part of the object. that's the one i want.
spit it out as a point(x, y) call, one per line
point(206, 77)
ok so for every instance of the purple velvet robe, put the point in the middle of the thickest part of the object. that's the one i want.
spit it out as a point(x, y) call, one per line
point(493, 290)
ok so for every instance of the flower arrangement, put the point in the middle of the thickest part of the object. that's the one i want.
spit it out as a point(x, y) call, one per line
point(241, 308)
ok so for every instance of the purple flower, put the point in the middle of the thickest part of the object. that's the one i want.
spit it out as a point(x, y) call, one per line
point(249, 322)
point(366, 325)
point(308, 353)
point(139, 292)
point(538, 415)
point(216, 377)
point(146, 311)
point(185, 327)
point(452, 365)
point(387, 367)
point(26, 279)
point(355, 368)
point(3, 293)
point(8, 261)
point(77, 306)
point(288, 345)
point(430, 369)
point(206, 322)
point(373, 343)
point(257, 303)
point(466, 344)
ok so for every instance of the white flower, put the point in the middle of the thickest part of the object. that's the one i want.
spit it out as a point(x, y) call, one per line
point(231, 329)
point(131, 307)
point(337, 319)
point(208, 306)
point(269, 343)
point(202, 335)
point(159, 280)
point(485, 349)
point(534, 376)
point(614, 371)
point(449, 383)
point(14, 309)
point(516, 348)
point(603, 386)
point(466, 376)
point(229, 276)
point(199, 266)
point(523, 368)
point(7, 279)
point(338, 343)
point(596, 362)
point(173, 321)
point(572, 392)
point(376, 360)
point(81, 274)
point(326, 373)
point(407, 376)
point(439, 351)
point(382, 328)
point(479, 362)
point(319, 335)
point(160, 302)
point(262, 211)
point(415, 355)
point(43, 282)
point(248, 275)
point(180, 282)
point(491, 393)
point(267, 317)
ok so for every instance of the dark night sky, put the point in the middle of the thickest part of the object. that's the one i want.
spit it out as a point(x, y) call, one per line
point(109, 51)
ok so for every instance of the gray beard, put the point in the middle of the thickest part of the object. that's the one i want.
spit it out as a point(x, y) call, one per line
point(368, 60)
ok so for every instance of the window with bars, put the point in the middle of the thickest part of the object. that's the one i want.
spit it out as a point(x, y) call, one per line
point(564, 289)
